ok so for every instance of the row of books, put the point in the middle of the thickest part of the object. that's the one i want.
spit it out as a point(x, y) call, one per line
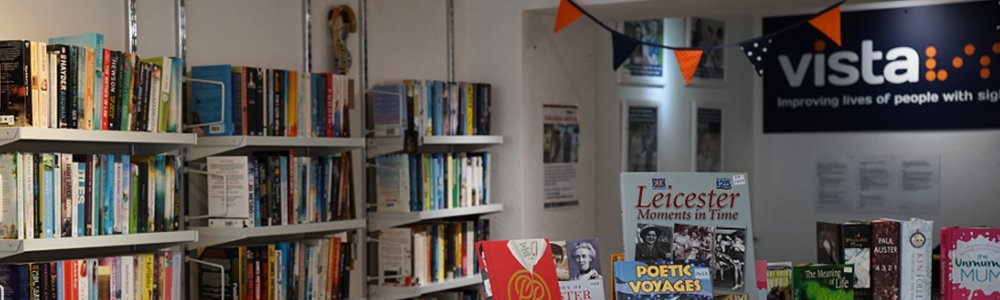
point(428, 253)
point(54, 195)
point(891, 259)
point(313, 269)
point(424, 182)
point(73, 82)
point(144, 277)
point(270, 102)
point(430, 107)
point(278, 188)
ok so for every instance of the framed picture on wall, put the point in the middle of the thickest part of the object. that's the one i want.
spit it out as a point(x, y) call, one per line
point(645, 66)
point(707, 140)
point(705, 32)
point(640, 142)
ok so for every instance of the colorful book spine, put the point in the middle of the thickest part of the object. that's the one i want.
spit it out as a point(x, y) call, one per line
point(915, 259)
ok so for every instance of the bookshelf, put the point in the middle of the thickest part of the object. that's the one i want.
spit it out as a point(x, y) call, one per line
point(242, 145)
point(16, 139)
point(248, 236)
point(388, 220)
point(34, 250)
point(378, 146)
point(398, 293)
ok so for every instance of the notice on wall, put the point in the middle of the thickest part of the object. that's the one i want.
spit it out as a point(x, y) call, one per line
point(878, 184)
point(898, 69)
point(561, 155)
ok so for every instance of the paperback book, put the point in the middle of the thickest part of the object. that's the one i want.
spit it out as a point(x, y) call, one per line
point(578, 268)
point(664, 279)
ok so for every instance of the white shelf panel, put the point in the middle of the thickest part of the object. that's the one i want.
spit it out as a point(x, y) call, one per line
point(219, 145)
point(23, 251)
point(388, 220)
point(397, 293)
point(242, 236)
point(448, 143)
point(91, 141)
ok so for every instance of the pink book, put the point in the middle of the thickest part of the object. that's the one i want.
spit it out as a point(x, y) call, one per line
point(970, 263)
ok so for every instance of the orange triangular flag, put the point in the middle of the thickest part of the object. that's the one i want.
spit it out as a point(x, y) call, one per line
point(829, 24)
point(567, 14)
point(688, 61)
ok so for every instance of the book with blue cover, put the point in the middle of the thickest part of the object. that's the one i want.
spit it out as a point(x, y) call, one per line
point(663, 279)
point(206, 103)
point(93, 41)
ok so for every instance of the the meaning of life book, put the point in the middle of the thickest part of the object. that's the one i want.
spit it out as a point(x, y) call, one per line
point(692, 216)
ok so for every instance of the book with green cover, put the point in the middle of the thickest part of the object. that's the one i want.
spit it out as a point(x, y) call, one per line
point(823, 282)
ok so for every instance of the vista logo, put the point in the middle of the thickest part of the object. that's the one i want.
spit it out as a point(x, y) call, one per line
point(842, 68)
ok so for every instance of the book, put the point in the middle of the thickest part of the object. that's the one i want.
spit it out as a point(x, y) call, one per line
point(665, 279)
point(680, 212)
point(828, 247)
point(513, 269)
point(580, 260)
point(94, 43)
point(227, 187)
point(916, 240)
point(826, 282)
point(857, 242)
point(779, 280)
point(970, 262)
point(206, 104)
point(885, 272)
point(15, 78)
point(389, 110)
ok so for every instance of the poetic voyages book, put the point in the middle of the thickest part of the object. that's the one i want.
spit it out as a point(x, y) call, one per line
point(688, 279)
point(678, 216)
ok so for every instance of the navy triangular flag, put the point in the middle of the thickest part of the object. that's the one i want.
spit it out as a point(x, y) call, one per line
point(756, 51)
point(624, 46)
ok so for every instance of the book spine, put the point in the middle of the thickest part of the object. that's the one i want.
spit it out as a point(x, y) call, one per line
point(239, 108)
point(86, 109)
point(106, 95)
point(885, 259)
point(164, 88)
point(915, 259)
point(68, 199)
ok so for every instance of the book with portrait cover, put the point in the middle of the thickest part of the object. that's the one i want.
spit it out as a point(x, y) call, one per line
point(678, 216)
point(663, 279)
point(578, 268)
point(823, 282)
point(518, 269)
point(970, 263)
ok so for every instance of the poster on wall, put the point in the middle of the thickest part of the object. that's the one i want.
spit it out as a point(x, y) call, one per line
point(692, 216)
point(878, 184)
point(645, 66)
point(640, 136)
point(705, 32)
point(561, 146)
point(707, 133)
point(926, 67)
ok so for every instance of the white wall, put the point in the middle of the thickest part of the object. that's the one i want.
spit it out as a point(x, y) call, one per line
point(41, 20)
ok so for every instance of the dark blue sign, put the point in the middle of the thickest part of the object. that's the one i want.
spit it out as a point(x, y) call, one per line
point(915, 68)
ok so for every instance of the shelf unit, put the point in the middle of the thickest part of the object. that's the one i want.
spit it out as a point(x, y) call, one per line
point(388, 220)
point(52, 249)
point(378, 146)
point(26, 139)
point(397, 293)
point(242, 145)
point(247, 236)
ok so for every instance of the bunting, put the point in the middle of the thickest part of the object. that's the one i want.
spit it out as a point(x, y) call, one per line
point(568, 13)
point(624, 46)
point(688, 61)
point(829, 24)
point(756, 51)
point(826, 21)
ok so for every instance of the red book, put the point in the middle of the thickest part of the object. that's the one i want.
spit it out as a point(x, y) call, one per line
point(70, 280)
point(518, 269)
point(329, 105)
point(970, 262)
point(107, 81)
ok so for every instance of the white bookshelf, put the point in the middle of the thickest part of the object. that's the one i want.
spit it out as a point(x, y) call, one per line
point(52, 249)
point(242, 145)
point(385, 220)
point(397, 293)
point(243, 236)
point(378, 146)
point(27, 139)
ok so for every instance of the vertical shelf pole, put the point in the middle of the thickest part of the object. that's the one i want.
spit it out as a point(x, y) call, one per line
point(131, 27)
point(451, 40)
point(306, 37)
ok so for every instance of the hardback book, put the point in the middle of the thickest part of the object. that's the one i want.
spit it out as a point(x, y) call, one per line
point(970, 262)
point(916, 241)
point(828, 247)
point(885, 259)
point(856, 238)
point(518, 269)
point(579, 261)
point(823, 282)
point(779, 280)
point(665, 279)
point(206, 103)
point(673, 216)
